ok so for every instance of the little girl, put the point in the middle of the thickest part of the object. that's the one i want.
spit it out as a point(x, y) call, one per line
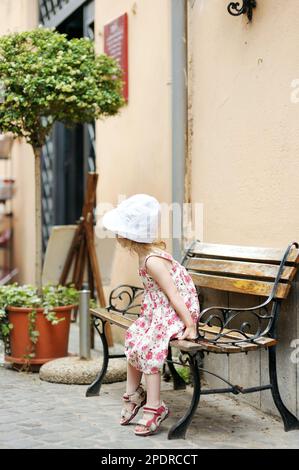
point(169, 309)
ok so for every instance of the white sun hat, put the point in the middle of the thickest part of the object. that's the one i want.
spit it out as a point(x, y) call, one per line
point(135, 218)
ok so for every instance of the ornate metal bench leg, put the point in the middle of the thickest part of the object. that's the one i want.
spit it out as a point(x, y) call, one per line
point(94, 389)
point(178, 430)
point(289, 420)
point(178, 382)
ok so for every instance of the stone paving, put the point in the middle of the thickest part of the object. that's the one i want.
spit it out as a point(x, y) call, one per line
point(42, 415)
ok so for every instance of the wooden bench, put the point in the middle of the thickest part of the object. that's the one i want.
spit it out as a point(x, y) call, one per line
point(265, 272)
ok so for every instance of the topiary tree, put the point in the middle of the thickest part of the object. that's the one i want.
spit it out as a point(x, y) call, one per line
point(44, 77)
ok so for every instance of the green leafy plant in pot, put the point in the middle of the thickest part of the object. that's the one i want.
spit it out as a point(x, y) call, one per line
point(25, 316)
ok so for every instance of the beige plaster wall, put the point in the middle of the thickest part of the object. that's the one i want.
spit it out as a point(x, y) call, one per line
point(245, 142)
point(19, 15)
point(134, 148)
point(245, 153)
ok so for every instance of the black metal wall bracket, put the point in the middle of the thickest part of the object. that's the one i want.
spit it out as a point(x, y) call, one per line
point(236, 9)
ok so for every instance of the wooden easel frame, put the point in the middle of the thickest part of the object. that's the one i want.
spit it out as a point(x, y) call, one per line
point(82, 250)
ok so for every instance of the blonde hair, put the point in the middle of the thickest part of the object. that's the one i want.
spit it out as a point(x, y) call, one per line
point(139, 247)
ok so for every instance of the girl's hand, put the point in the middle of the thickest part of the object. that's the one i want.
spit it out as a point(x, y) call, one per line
point(189, 333)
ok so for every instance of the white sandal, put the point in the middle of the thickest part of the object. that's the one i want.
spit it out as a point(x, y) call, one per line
point(138, 399)
point(152, 425)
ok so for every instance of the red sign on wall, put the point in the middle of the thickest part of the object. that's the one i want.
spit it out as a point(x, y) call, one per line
point(116, 45)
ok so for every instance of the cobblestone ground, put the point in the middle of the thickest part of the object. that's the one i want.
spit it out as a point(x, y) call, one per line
point(36, 414)
point(41, 415)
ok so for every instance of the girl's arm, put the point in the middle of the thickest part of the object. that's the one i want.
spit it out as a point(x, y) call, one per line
point(159, 272)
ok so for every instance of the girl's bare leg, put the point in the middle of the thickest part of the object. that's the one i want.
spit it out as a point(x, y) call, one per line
point(153, 388)
point(133, 378)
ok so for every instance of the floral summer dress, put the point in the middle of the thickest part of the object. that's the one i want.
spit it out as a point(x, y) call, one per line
point(146, 341)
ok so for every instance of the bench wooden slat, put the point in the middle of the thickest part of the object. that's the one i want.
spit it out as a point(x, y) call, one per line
point(244, 252)
point(189, 346)
point(112, 317)
point(244, 286)
point(244, 268)
point(205, 345)
point(228, 348)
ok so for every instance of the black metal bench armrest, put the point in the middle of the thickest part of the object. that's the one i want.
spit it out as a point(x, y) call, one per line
point(251, 328)
point(125, 298)
point(227, 310)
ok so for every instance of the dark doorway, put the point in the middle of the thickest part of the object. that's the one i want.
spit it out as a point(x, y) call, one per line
point(69, 153)
point(68, 168)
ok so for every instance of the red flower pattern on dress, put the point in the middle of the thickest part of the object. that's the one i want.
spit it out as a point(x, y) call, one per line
point(160, 356)
point(147, 339)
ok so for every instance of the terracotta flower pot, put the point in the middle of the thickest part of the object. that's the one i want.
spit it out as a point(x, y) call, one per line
point(52, 341)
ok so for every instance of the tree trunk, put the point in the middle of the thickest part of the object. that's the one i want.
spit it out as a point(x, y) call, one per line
point(38, 218)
